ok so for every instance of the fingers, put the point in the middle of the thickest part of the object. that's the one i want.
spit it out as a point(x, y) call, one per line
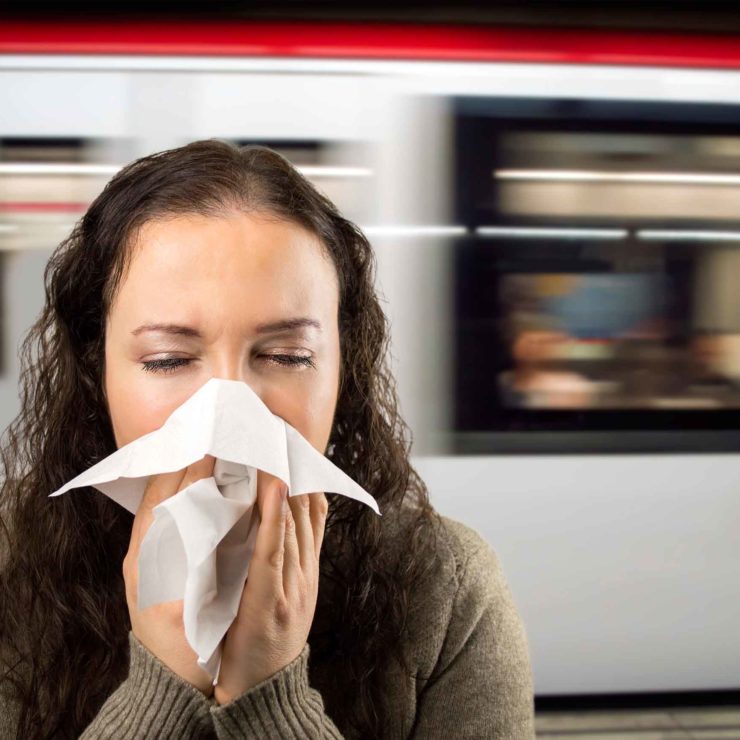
point(300, 507)
point(162, 486)
point(269, 548)
point(303, 541)
point(319, 510)
point(158, 488)
point(309, 513)
point(292, 564)
point(289, 538)
point(198, 470)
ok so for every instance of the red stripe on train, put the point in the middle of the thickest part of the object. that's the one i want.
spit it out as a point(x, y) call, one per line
point(370, 41)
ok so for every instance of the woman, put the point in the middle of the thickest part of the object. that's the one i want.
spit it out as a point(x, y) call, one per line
point(213, 261)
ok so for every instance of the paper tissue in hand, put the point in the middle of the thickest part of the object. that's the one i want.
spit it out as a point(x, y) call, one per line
point(201, 540)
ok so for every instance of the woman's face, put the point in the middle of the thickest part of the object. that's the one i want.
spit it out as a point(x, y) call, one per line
point(212, 297)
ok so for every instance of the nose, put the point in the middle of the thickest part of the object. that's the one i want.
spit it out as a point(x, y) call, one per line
point(232, 365)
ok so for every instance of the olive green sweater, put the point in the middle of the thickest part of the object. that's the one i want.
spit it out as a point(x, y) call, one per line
point(471, 673)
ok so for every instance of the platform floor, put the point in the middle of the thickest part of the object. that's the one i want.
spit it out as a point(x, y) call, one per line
point(689, 723)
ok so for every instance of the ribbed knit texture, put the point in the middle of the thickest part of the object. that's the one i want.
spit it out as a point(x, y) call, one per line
point(470, 677)
point(283, 706)
point(152, 702)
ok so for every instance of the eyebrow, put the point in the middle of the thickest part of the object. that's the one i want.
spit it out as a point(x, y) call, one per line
point(273, 327)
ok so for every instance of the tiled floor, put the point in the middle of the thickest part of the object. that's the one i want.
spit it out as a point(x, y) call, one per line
point(691, 723)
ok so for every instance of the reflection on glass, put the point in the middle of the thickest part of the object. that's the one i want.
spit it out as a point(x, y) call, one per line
point(604, 341)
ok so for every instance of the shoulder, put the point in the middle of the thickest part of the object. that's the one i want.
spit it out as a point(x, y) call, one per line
point(464, 584)
point(454, 542)
point(468, 573)
point(482, 600)
point(469, 646)
point(464, 545)
point(461, 557)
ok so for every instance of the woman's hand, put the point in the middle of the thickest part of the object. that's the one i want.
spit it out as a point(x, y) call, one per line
point(279, 598)
point(160, 627)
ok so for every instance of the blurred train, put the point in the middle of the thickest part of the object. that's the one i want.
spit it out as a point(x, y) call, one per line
point(556, 217)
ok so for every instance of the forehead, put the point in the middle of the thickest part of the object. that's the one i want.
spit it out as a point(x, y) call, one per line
point(252, 264)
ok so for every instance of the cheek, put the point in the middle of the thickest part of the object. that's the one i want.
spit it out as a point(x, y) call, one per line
point(137, 408)
point(309, 408)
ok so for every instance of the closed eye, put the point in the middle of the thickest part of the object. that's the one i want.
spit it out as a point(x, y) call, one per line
point(164, 366)
point(291, 360)
point(170, 364)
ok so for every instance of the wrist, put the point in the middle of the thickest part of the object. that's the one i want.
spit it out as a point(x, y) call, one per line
point(226, 691)
point(184, 666)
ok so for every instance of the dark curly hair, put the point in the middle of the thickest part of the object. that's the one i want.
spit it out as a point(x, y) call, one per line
point(63, 616)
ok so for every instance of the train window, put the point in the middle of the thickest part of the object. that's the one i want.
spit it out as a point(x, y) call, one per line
point(45, 186)
point(595, 303)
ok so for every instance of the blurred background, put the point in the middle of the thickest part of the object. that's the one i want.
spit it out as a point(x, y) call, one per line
point(553, 194)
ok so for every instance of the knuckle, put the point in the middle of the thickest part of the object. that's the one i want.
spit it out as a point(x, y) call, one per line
point(302, 501)
point(282, 612)
point(322, 505)
point(275, 559)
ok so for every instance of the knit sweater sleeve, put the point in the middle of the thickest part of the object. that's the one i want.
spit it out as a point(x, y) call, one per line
point(282, 706)
point(153, 701)
point(481, 685)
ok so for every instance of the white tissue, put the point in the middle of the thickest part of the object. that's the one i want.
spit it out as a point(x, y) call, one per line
point(201, 540)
